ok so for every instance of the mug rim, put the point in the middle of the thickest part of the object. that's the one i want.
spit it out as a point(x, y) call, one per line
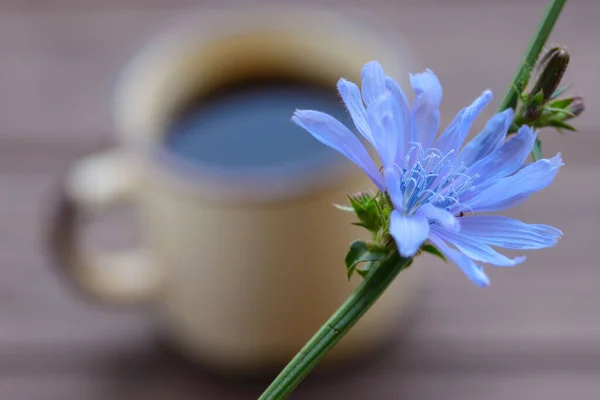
point(194, 32)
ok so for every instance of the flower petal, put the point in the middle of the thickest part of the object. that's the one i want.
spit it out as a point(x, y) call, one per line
point(490, 138)
point(373, 82)
point(509, 233)
point(408, 232)
point(393, 181)
point(513, 189)
point(472, 270)
point(352, 99)
point(453, 137)
point(476, 249)
point(334, 134)
point(425, 113)
point(398, 94)
point(507, 159)
point(387, 126)
point(402, 115)
point(443, 217)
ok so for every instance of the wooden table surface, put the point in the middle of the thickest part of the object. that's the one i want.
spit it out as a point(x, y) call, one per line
point(534, 334)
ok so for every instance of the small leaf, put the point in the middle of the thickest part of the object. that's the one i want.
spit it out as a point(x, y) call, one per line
point(358, 253)
point(364, 271)
point(536, 153)
point(431, 249)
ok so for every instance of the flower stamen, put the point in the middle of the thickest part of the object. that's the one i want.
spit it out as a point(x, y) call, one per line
point(430, 176)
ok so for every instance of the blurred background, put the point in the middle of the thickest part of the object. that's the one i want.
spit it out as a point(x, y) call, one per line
point(534, 334)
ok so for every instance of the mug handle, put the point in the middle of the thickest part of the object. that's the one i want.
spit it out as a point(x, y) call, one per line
point(94, 184)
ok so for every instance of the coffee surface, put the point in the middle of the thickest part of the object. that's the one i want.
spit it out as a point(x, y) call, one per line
point(248, 125)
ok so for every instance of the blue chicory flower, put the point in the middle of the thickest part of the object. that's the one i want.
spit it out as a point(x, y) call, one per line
point(435, 186)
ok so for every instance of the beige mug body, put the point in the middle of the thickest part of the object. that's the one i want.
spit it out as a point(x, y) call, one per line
point(242, 271)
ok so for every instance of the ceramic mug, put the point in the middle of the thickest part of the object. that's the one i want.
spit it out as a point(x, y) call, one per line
point(242, 269)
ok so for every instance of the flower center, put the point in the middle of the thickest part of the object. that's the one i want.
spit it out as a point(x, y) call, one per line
point(430, 176)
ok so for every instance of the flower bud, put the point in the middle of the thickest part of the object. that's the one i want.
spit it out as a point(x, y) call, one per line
point(548, 73)
point(576, 107)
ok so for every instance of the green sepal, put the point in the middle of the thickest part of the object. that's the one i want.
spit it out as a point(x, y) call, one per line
point(561, 103)
point(537, 99)
point(431, 249)
point(365, 208)
point(557, 112)
point(360, 252)
point(533, 107)
point(536, 152)
point(560, 125)
point(384, 207)
point(343, 208)
point(559, 91)
point(565, 109)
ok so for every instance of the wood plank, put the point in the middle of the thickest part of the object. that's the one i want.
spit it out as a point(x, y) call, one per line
point(454, 386)
point(373, 384)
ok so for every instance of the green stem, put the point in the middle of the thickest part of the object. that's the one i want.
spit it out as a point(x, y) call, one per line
point(533, 52)
point(374, 284)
